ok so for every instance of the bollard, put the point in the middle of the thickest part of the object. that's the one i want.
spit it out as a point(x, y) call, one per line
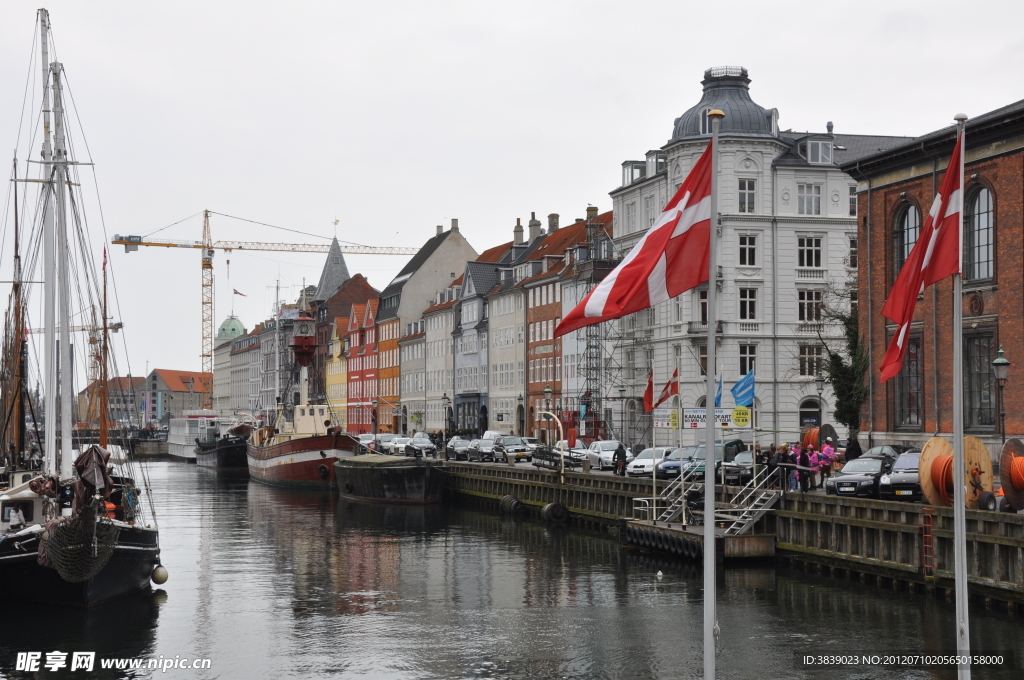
point(586, 464)
point(510, 460)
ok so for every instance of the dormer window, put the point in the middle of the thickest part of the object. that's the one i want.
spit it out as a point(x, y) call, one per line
point(632, 171)
point(816, 151)
point(705, 122)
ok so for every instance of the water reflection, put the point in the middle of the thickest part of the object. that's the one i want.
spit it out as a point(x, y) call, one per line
point(290, 584)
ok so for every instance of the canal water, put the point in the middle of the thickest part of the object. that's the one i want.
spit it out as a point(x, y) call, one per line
point(269, 583)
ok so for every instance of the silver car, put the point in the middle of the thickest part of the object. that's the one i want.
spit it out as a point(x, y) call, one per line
point(643, 464)
point(602, 454)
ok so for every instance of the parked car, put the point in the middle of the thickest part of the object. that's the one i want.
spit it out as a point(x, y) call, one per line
point(860, 477)
point(602, 454)
point(512, 447)
point(532, 442)
point(903, 482)
point(725, 451)
point(671, 466)
point(458, 448)
point(396, 447)
point(740, 470)
point(577, 453)
point(420, 447)
point(643, 464)
point(892, 451)
point(367, 442)
point(481, 449)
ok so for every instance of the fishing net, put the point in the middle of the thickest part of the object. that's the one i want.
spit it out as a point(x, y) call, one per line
point(79, 546)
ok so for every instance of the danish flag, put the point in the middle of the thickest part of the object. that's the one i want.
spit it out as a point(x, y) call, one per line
point(670, 259)
point(649, 393)
point(670, 390)
point(935, 256)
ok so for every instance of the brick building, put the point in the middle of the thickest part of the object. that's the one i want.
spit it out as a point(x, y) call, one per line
point(354, 290)
point(166, 393)
point(895, 191)
point(362, 366)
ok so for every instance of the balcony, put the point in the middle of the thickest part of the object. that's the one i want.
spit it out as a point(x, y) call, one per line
point(810, 327)
point(695, 328)
point(749, 326)
point(805, 274)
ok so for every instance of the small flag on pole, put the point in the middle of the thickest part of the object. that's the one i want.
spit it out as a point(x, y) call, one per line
point(237, 293)
point(671, 389)
point(718, 393)
point(649, 393)
point(743, 391)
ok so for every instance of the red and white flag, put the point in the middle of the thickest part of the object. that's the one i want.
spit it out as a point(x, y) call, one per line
point(935, 256)
point(237, 293)
point(649, 393)
point(670, 390)
point(670, 259)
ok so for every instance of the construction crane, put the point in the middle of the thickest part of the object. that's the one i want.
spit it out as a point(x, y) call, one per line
point(208, 246)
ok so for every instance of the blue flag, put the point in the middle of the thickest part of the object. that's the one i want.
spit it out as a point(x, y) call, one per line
point(743, 391)
point(718, 393)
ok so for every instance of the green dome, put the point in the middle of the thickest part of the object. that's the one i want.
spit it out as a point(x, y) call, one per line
point(231, 328)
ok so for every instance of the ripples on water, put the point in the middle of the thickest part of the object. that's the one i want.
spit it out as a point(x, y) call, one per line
point(271, 583)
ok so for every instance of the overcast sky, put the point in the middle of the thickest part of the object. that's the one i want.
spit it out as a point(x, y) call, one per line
point(393, 117)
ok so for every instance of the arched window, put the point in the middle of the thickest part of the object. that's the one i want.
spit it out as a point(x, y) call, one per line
point(705, 122)
point(810, 414)
point(978, 235)
point(908, 226)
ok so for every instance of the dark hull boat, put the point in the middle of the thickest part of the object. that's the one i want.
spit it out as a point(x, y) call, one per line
point(387, 479)
point(129, 569)
point(303, 461)
point(226, 453)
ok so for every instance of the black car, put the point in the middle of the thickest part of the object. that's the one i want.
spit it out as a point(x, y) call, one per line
point(457, 449)
point(740, 470)
point(860, 477)
point(481, 450)
point(903, 482)
point(892, 451)
point(420, 447)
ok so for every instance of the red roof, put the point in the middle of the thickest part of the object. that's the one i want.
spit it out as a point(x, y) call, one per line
point(119, 384)
point(179, 381)
point(494, 254)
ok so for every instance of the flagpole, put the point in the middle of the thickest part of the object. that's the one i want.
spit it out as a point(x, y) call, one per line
point(963, 637)
point(710, 617)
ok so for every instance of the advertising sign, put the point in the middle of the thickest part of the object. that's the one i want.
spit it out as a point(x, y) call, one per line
point(741, 416)
point(695, 418)
point(665, 418)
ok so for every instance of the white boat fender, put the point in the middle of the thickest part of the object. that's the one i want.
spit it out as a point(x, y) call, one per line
point(159, 575)
point(660, 575)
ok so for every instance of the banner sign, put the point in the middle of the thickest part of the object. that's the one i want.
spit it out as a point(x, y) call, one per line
point(665, 418)
point(694, 418)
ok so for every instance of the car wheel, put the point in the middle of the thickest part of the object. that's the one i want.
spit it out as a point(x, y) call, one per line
point(529, 459)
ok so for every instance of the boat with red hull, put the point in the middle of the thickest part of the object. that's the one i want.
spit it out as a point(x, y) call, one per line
point(299, 450)
point(302, 461)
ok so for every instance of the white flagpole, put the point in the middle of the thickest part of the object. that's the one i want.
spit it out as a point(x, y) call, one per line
point(963, 636)
point(710, 616)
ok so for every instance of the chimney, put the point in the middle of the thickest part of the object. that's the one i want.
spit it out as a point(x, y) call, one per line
point(552, 223)
point(440, 230)
point(591, 212)
point(580, 219)
point(534, 226)
point(517, 233)
point(828, 126)
point(455, 225)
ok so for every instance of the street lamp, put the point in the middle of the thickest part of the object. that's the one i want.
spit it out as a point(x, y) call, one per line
point(445, 403)
point(819, 380)
point(622, 412)
point(520, 416)
point(373, 418)
point(547, 407)
point(1001, 367)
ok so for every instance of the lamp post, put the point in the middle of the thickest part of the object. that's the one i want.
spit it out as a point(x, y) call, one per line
point(373, 420)
point(520, 415)
point(819, 380)
point(547, 407)
point(622, 412)
point(1001, 367)
point(445, 403)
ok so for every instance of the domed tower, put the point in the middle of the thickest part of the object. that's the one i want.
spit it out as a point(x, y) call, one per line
point(230, 328)
point(727, 88)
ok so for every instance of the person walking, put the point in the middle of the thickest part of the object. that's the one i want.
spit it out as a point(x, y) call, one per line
point(853, 449)
point(770, 460)
point(792, 458)
point(828, 453)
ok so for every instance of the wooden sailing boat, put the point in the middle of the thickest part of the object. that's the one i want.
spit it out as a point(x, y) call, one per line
point(71, 533)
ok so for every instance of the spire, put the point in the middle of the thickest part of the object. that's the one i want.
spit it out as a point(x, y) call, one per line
point(335, 273)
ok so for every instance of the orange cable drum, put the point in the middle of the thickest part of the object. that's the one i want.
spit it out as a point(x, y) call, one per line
point(942, 477)
point(1017, 474)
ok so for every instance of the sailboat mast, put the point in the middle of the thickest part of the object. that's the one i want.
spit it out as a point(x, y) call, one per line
point(18, 329)
point(102, 391)
point(49, 266)
point(63, 274)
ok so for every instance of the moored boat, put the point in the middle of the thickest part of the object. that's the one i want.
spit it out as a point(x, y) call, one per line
point(228, 451)
point(183, 432)
point(299, 451)
point(389, 479)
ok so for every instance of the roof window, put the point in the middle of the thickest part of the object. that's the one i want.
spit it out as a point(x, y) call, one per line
point(816, 151)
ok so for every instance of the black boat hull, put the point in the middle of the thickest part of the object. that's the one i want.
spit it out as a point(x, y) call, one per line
point(228, 454)
point(23, 579)
point(407, 484)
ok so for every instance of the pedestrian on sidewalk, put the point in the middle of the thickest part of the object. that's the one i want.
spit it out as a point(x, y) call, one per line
point(804, 461)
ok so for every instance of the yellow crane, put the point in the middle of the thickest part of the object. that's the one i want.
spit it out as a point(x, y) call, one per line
point(208, 246)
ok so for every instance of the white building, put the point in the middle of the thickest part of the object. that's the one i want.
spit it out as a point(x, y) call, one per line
point(230, 329)
point(788, 232)
point(439, 321)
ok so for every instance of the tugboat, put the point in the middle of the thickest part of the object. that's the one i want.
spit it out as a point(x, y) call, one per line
point(300, 451)
point(227, 451)
point(387, 479)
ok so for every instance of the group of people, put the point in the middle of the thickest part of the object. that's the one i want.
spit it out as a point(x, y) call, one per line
point(804, 467)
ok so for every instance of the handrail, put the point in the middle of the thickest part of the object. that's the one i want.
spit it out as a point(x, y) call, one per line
point(753, 486)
